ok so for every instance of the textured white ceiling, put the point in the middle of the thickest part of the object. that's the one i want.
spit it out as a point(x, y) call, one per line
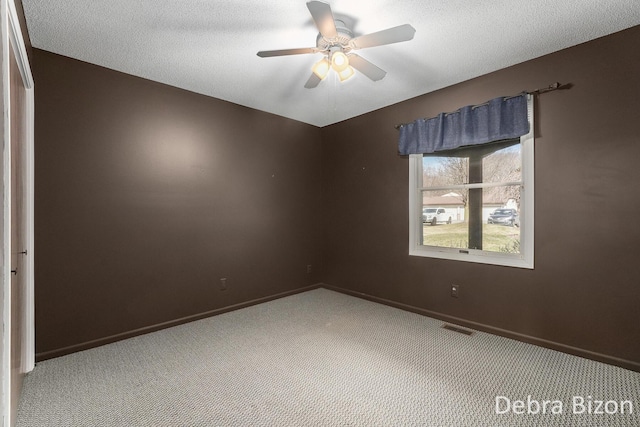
point(209, 46)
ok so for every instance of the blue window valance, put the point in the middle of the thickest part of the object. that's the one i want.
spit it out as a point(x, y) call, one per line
point(499, 119)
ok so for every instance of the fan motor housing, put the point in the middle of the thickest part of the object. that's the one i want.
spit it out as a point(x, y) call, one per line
point(344, 37)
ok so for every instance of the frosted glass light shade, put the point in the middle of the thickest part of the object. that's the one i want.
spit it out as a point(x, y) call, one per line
point(346, 73)
point(321, 68)
point(339, 61)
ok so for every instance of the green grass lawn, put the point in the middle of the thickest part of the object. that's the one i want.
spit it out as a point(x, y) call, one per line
point(496, 238)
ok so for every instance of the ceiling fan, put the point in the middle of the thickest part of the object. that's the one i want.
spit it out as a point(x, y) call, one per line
point(335, 41)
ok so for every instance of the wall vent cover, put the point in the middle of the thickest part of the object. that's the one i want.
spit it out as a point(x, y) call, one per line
point(456, 329)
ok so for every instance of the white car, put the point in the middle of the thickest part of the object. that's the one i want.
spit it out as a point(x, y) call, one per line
point(434, 216)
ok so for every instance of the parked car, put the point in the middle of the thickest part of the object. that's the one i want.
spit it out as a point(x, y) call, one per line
point(505, 217)
point(435, 215)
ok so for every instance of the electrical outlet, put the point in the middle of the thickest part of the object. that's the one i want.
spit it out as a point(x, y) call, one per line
point(455, 289)
point(223, 284)
point(308, 268)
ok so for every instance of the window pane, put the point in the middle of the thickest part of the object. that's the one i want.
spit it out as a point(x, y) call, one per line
point(501, 219)
point(448, 220)
point(443, 219)
point(439, 171)
point(504, 165)
point(498, 164)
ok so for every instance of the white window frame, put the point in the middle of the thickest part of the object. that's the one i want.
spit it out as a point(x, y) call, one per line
point(525, 259)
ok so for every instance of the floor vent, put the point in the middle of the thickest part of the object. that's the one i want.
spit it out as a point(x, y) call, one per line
point(456, 329)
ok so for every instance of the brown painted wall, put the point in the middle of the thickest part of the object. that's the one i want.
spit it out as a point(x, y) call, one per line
point(147, 195)
point(584, 293)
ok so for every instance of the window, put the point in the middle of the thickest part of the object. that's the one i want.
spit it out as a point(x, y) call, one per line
point(475, 203)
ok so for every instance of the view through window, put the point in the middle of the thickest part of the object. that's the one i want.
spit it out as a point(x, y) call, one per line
point(471, 199)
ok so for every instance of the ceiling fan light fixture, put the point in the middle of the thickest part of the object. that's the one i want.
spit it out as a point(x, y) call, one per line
point(335, 40)
point(346, 73)
point(339, 61)
point(321, 68)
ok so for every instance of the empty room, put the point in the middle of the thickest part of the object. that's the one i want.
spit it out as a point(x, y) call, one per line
point(320, 213)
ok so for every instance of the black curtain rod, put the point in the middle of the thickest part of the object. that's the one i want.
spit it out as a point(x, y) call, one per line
point(551, 87)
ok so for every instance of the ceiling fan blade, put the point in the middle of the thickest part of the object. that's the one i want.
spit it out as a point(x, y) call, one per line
point(397, 34)
point(283, 52)
point(322, 16)
point(313, 81)
point(365, 67)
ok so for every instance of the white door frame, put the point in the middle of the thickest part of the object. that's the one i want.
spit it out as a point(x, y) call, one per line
point(12, 39)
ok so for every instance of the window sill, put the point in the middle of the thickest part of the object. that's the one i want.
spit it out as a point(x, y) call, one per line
point(470, 255)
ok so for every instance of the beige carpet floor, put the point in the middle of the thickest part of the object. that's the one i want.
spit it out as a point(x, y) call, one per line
point(321, 358)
